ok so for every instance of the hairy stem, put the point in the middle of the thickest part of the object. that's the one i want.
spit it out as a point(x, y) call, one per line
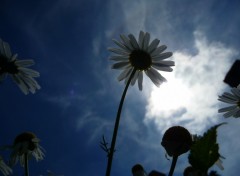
point(114, 137)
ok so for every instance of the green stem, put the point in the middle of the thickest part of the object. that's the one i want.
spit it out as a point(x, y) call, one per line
point(26, 164)
point(114, 137)
point(174, 161)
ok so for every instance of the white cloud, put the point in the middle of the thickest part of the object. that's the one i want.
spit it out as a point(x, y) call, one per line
point(189, 98)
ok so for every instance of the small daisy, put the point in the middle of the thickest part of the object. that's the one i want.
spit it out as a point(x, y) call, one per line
point(9, 64)
point(139, 56)
point(5, 169)
point(26, 144)
point(231, 98)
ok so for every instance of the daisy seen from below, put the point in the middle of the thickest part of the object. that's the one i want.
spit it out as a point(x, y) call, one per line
point(134, 57)
point(232, 98)
point(138, 56)
point(5, 169)
point(10, 65)
point(24, 147)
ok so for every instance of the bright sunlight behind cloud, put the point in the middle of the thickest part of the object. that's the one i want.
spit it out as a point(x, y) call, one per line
point(189, 98)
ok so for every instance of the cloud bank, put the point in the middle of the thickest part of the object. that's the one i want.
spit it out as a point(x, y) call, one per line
point(189, 98)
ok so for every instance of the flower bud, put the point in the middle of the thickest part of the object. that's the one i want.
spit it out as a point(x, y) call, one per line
point(176, 141)
point(138, 170)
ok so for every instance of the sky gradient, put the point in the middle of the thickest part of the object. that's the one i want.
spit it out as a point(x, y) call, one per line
point(78, 101)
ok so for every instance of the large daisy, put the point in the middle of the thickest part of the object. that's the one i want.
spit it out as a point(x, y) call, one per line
point(9, 64)
point(233, 99)
point(138, 56)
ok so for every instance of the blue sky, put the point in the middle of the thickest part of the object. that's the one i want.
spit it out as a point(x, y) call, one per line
point(77, 104)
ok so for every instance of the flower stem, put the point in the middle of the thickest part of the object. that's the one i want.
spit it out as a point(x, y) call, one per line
point(26, 164)
point(114, 137)
point(174, 161)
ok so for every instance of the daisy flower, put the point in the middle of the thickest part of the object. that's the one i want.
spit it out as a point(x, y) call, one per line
point(139, 56)
point(233, 99)
point(5, 169)
point(9, 64)
point(26, 144)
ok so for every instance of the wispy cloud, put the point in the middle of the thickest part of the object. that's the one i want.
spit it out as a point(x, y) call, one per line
point(190, 96)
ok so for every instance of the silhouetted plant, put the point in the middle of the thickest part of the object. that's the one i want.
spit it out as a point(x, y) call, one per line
point(10, 65)
point(24, 147)
point(176, 141)
point(134, 57)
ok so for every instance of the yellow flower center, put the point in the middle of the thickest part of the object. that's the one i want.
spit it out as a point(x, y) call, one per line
point(140, 60)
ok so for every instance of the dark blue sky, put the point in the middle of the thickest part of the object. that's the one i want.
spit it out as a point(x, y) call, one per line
point(68, 40)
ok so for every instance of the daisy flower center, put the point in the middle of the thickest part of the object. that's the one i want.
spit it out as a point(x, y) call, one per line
point(140, 60)
point(7, 67)
point(26, 137)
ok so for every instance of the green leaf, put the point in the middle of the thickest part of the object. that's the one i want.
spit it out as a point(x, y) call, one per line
point(204, 151)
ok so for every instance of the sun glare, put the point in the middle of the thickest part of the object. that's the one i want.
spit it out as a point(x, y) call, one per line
point(170, 96)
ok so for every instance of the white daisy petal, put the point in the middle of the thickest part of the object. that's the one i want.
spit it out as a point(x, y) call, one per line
point(230, 113)
point(164, 63)
point(118, 51)
point(155, 76)
point(133, 41)
point(229, 108)
point(119, 58)
point(236, 92)
point(162, 56)
point(146, 40)
point(230, 96)
point(4, 168)
point(5, 49)
point(127, 78)
point(121, 46)
point(120, 65)
point(134, 78)
point(140, 39)
point(24, 63)
point(158, 50)
point(13, 58)
point(31, 82)
point(153, 45)
point(125, 73)
point(223, 99)
point(237, 114)
point(140, 80)
point(126, 42)
point(162, 68)
point(20, 84)
point(29, 72)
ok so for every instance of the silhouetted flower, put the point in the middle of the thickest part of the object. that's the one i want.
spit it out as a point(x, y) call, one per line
point(231, 98)
point(26, 143)
point(176, 141)
point(5, 169)
point(9, 64)
point(138, 170)
point(141, 56)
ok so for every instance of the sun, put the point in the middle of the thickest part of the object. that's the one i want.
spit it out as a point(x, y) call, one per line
point(170, 96)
